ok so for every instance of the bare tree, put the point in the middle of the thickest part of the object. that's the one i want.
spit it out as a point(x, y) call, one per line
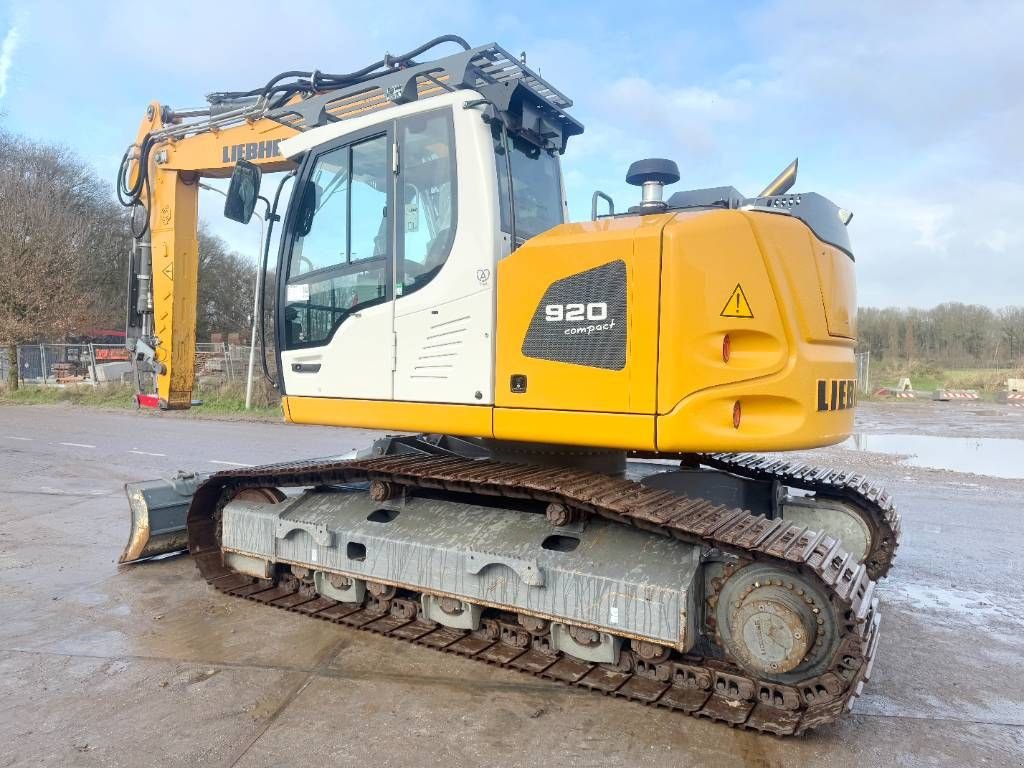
point(64, 245)
point(49, 202)
point(226, 284)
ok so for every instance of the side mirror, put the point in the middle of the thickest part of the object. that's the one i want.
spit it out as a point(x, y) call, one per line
point(243, 191)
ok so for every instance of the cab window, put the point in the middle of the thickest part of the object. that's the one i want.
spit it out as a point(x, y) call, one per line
point(529, 187)
point(427, 179)
point(339, 258)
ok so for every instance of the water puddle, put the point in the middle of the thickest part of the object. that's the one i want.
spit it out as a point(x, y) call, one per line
point(950, 601)
point(994, 456)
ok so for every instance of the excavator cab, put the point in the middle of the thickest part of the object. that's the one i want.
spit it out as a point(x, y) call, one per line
point(392, 262)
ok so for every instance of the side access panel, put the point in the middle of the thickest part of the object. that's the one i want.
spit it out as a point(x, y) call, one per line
point(577, 330)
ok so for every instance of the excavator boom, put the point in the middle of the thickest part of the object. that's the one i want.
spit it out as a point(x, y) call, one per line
point(167, 167)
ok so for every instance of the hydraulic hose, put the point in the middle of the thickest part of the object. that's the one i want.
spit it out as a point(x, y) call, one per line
point(316, 81)
point(129, 194)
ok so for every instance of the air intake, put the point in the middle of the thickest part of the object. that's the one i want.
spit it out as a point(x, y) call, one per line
point(652, 174)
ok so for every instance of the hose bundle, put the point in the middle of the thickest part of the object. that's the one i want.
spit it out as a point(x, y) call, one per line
point(278, 90)
point(282, 87)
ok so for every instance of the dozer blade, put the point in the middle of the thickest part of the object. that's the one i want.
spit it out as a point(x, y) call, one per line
point(159, 508)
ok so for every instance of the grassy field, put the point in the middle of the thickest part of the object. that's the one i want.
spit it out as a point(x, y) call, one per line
point(989, 380)
point(221, 402)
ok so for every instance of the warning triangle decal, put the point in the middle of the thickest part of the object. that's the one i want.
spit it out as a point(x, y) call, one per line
point(737, 305)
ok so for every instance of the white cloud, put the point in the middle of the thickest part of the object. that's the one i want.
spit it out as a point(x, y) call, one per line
point(7, 48)
point(919, 249)
point(689, 114)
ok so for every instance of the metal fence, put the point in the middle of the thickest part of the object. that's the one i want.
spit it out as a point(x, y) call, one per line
point(64, 364)
point(69, 363)
point(222, 362)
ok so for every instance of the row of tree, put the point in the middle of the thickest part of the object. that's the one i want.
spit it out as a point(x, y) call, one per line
point(64, 244)
point(950, 335)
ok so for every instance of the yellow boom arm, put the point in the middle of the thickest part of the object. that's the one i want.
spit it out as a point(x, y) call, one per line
point(175, 167)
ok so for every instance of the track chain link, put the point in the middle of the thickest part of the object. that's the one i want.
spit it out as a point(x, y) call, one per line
point(873, 504)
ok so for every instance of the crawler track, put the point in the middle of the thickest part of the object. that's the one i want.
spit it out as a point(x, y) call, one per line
point(705, 687)
point(873, 504)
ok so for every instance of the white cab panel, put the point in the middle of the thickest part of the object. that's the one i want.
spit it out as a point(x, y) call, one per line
point(435, 344)
point(445, 352)
point(358, 362)
point(460, 300)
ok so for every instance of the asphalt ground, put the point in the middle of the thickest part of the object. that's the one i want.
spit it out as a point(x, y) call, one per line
point(145, 665)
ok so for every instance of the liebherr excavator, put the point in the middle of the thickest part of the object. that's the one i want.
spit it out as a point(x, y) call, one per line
point(568, 491)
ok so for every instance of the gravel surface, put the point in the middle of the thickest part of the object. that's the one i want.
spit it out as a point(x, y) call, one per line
point(146, 666)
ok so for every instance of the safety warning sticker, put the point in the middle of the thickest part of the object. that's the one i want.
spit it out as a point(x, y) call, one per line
point(737, 305)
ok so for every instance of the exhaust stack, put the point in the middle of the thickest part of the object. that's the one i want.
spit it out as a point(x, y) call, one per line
point(782, 183)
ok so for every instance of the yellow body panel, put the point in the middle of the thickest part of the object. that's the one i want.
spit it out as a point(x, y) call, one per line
point(778, 413)
point(522, 281)
point(465, 420)
point(776, 357)
point(838, 290)
point(594, 430)
point(707, 255)
point(677, 391)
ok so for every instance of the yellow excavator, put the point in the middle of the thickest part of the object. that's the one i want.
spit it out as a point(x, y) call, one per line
point(567, 486)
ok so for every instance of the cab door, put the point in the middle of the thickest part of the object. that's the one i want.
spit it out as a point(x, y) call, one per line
point(335, 317)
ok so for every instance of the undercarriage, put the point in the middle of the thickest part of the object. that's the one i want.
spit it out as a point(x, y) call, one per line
point(691, 582)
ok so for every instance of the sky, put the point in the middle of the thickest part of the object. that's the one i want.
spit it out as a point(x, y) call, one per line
point(909, 113)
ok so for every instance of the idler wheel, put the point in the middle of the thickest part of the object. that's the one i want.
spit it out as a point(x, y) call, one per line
point(773, 623)
point(264, 494)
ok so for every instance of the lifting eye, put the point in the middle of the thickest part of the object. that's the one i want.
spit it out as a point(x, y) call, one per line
point(355, 551)
point(558, 543)
point(726, 348)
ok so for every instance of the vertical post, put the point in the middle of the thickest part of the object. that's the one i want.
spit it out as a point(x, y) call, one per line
point(867, 373)
point(13, 365)
point(227, 360)
point(92, 356)
point(257, 308)
point(42, 363)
